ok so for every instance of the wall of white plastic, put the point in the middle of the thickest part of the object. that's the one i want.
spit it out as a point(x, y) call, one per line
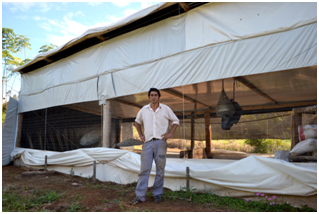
point(200, 45)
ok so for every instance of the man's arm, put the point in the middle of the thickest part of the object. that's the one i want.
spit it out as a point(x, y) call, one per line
point(139, 130)
point(170, 133)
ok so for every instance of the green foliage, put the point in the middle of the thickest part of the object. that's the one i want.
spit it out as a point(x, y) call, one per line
point(4, 111)
point(75, 207)
point(12, 44)
point(45, 48)
point(122, 193)
point(233, 204)
point(48, 197)
point(13, 201)
point(183, 194)
point(261, 145)
point(71, 171)
point(268, 146)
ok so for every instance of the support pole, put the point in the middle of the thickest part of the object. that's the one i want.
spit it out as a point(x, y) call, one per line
point(296, 121)
point(19, 132)
point(193, 123)
point(45, 163)
point(120, 131)
point(192, 135)
point(208, 133)
point(94, 171)
point(45, 130)
point(187, 178)
point(106, 124)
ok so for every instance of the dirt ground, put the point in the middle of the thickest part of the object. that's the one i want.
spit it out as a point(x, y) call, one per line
point(91, 196)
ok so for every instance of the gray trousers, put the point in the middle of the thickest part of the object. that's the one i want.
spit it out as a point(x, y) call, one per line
point(152, 150)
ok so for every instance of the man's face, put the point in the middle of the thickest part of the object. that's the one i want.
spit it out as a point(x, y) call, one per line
point(154, 98)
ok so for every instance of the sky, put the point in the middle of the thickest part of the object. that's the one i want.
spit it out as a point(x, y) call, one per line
point(59, 22)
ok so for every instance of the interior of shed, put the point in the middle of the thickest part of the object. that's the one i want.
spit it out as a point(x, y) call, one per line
point(266, 101)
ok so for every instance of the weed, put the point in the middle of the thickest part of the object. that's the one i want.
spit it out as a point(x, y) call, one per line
point(75, 207)
point(234, 204)
point(106, 201)
point(88, 184)
point(183, 194)
point(149, 194)
point(48, 197)
point(79, 196)
point(121, 206)
point(122, 193)
point(98, 186)
point(113, 187)
point(72, 171)
point(12, 201)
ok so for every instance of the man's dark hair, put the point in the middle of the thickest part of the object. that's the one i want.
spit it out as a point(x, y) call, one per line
point(154, 89)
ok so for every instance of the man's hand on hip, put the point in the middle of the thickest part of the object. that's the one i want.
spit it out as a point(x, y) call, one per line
point(166, 136)
point(142, 137)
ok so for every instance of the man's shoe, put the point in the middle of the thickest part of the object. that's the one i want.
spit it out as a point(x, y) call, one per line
point(157, 199)
point(136, 201)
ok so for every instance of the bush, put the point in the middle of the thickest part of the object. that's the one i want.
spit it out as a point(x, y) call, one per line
point(268, 146)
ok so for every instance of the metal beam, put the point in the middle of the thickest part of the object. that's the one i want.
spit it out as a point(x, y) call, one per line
point(184, 6)
point(127, 103)
point(83, 110)
point(180, 95)
point(102, 38)
point(48, 60)
point(254, 88)
point(261, 107)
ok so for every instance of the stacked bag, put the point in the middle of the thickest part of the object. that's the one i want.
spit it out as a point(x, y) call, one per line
point(307, 140)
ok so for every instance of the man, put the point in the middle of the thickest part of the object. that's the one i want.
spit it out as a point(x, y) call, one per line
point(155, 117)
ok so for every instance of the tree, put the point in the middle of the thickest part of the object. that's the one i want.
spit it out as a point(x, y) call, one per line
point(45, 48)
point(12, 44)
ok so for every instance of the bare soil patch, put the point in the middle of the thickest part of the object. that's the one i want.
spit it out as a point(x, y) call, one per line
point(84, 195)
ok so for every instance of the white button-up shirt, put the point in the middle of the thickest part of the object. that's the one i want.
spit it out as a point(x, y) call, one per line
point(156, 123)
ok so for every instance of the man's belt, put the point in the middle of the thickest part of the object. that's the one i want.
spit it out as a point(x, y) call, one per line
point(153, 139)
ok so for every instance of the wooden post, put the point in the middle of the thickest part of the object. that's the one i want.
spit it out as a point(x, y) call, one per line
point(296, 121)
point(120, 131)
point(45, 163)
point(94, 171)
point(187, 178)
point(19, 131)
point(193, 123)
point(208, 133)
point(106, 124)
point(192, 135)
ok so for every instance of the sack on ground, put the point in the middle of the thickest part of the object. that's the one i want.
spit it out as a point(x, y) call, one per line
point(308, 145)
point(307, 131)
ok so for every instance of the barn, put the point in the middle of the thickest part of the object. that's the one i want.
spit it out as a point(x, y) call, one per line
point(262, 56)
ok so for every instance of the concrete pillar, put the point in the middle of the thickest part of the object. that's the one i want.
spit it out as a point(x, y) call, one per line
point(106, 124)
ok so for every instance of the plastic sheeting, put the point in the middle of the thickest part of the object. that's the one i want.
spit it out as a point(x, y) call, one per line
point(251, 174)
point(9, 131)
point(221, 22)
point(167, 57)
point(110, 27)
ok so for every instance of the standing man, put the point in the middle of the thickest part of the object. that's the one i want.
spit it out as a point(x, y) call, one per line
point(155, 117)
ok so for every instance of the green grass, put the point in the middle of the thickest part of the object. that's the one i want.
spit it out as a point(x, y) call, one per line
point(75, 207)
point(233, 204)
point(13, 201)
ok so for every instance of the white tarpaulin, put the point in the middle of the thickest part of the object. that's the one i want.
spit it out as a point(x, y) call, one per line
point(200, 45)
point(9, 131)
point(252, 174)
